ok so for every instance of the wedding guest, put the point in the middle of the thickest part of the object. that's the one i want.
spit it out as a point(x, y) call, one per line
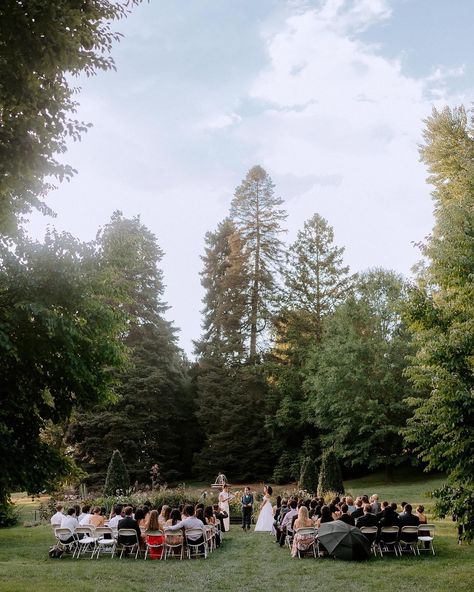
point(190, 522)
point(350, 504)
point(58, 516)
point(140, 517)
point(164, 515)
point(374, 501)
point(407, 518)
point(220, 515)
point(368, 518)
point(97, 519)
point(359, 511)
point(420, 512)
point(301, 542)
point(129, 522)
point(70, 522)
point(345, 516)
point(287, 521)
point(84, 516)
point(326, 516)
point(199, 514)
point(116, 516)
point(154, 535)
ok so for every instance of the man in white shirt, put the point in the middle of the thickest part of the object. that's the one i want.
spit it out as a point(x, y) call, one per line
point(118, 515)
point(188, 523)
point(84, 518)
point(56, 519)
point(70, 522)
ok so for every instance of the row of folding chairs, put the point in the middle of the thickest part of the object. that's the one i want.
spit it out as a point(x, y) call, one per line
point(396, 540)
point(103, 540)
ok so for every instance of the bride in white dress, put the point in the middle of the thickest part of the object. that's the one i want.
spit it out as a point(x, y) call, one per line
point(265, 517)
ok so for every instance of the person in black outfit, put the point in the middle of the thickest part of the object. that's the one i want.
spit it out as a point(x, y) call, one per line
point(368, 519)
point(247, 507)
point(406, 518)
point(345, 516)
point(129, 522)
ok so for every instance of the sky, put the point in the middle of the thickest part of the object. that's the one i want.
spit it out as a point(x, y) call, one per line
point(329, 96)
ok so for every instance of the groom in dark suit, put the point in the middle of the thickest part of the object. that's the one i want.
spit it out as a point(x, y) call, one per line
point(247, 506)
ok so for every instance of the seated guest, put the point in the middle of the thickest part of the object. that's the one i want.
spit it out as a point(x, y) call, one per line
point(285, 525)
point(85, 515)
point(220, 515)
point(284, 509)
point(175, 517)
point(326, 516)
point(368, 519)
point(56, 518)
point(374, 501)
point(154, 535)
point(140, 517)
point(359, 511)
point(389, 517)
point(382, 508)
point(116, 515)
point(301, 542)
point(71, 523)
point(164, 515)
point(190, 522)
point(335, 512)
point(393, 505)
point(276, 507)
point(313, 504)
point(350, 504)
point(420, 512)
point(345, 516)
point(77, 510)
point(407, 518)
point(199, 514)
point(129, 522)
point(96, 519)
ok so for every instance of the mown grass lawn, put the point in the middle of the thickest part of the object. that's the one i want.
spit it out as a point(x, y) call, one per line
point(246, 562)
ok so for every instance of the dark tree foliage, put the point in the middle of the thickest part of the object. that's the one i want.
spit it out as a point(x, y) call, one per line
point(441, 317)
point(42, 45)
point(117, 480)
point(153, 407)
point(330, 476)
point(58, 344)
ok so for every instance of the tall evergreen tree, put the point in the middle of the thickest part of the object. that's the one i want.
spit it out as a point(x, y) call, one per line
point(117, 479)
point(441, 316)
point(258, 216)
point(153, 402)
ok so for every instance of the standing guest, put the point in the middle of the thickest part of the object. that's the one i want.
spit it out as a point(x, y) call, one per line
point(58, 516)
point(96, 519)
point(129, 522)
point(154, 535)
point(345, 516)
point(247, 507)
point(368, 519)
point(70, 522)
point(420, 512)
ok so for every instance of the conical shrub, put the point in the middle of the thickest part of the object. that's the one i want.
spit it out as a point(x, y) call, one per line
point(330, 477)
point(117, 480)
point(308, 475)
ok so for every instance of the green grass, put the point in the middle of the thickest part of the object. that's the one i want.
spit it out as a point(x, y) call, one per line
point(246, 562)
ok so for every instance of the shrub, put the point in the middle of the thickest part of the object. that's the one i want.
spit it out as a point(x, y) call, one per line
point(330, 477)
point(117, 480)
point(9, 514)
point(308, 476)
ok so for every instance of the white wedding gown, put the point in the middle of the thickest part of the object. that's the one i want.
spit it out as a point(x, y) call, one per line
point(265, 518)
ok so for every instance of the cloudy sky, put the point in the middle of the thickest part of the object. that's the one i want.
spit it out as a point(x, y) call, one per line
point(329, 96)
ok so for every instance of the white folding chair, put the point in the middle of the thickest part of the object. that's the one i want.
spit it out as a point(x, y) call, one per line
point(388, 542)
point(128, 541)
point(408, 541)
point(370, 532)
point(210, 532)
point(154, 545)
point(86, 540)
point(310, 543)
point(426, 533)
point(66, 539)
point(105, 542)
point(174, 540)
point(195, 548)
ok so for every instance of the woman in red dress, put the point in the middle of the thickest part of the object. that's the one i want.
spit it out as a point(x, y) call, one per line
point(154, 536)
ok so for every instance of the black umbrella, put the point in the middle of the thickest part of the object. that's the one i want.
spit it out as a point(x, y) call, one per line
point(344, 541)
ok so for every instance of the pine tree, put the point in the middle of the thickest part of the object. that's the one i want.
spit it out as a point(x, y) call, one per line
point(258, 216)
point(315, 278)
point(330, 477)
point(117, 480)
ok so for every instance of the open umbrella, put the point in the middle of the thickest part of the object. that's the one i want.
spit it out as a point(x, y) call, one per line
point(344, 541)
